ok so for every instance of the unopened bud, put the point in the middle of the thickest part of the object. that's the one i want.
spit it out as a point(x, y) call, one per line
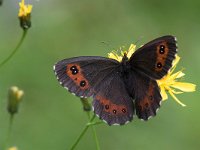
point(86, 104)
point(13, 148)
point(25, 15)
point(25, 21)
point(1, 2)
point(14, 98)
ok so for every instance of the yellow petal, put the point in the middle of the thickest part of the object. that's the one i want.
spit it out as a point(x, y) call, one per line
point(176, 92)
point(131, 50)
point(29, 9)
point(176, 60)
point(122, 52)
point(24, 10)
point(163, 93)
point(174, 64)
point(185, 87)
point(178, 74)
point(176, 99)
point(112, 55)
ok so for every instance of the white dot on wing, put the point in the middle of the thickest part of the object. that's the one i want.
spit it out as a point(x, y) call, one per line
point(116, 124)
point(127, 122)
point(149, 117)
point(54, 67)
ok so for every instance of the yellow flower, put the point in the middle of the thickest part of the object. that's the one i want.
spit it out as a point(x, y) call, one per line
point(24, 10)
point(169, 83)
point(119, 57)
point(13, 148)
point(25, 15)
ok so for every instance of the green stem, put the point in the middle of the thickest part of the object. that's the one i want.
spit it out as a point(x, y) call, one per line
point(94, 131)
point(95, 137)
point(94, 123)
point(15, 50)
point(82, 133)
point(9, 132)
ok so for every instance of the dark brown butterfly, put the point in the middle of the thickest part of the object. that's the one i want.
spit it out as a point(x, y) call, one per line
point(120, 89)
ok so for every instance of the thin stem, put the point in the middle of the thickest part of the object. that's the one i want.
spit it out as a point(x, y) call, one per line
point(82, 133)
point(95, 137)
point(9, 132)
point(88, 114)
point(94, 131)
point(94, 123)
point(15, 50)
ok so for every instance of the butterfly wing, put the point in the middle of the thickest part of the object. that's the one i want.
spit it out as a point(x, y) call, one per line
point(155, 58)
point(80, 74)
point(146, 93)
point(112, 102)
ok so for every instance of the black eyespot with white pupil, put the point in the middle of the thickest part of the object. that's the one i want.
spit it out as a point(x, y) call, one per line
point(106, 106)
point(162, 49)
point(114, 111)
point(159, 65)
point(82, 83)
point(124, 110)
point(74, 70)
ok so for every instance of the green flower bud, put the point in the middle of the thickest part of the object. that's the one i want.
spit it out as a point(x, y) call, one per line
point(25, 21)
point(86, 104)
point(14, 98)
point(1, 2)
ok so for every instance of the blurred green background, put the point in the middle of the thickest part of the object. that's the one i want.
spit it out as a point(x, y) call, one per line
point(50, 117)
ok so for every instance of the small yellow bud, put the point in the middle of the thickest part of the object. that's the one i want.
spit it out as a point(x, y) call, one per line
point(25, 15)
point(14, 98)
point(13, 148)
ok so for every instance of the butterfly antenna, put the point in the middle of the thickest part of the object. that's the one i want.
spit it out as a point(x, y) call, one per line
point(139, 39)
point(107, 44)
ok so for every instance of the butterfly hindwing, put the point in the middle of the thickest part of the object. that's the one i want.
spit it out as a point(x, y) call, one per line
point(145, 92)
point(80, 74)
point(148, 104)
point(112, 102)
point(155, 58)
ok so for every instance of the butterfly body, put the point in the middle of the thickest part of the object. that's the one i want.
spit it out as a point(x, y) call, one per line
point(120, 89)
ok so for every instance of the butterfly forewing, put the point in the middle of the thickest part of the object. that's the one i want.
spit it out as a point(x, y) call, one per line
point(111, 101)
point(155, 58)
point(80, 74)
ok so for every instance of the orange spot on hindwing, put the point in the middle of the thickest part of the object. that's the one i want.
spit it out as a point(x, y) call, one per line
point(110, 107)
point(75, 73)
point(148, 100)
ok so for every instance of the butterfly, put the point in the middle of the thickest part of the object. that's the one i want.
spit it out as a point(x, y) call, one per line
point(120, 89)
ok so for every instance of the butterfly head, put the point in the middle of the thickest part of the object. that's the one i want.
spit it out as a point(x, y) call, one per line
point(125, 58)
point(123, 55)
